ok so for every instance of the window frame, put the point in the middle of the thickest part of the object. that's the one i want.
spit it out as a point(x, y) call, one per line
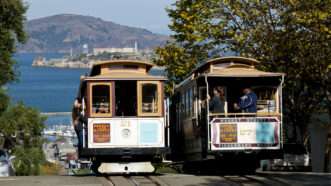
point(182, 104)
point(194, 101)
point(186, 103)
point(110, 85)
point(139, 98)
point(275, 96)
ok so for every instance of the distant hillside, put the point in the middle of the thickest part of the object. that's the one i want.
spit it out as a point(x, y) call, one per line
point(59, 33)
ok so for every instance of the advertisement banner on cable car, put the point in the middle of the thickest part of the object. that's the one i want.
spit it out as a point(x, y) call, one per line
point(245, 133)
point(123, 132)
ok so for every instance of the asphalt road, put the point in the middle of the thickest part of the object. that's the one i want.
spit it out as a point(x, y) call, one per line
point(265, 178)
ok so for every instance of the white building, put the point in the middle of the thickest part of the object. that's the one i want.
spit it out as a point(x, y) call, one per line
point(97, 51)
point(85, 49)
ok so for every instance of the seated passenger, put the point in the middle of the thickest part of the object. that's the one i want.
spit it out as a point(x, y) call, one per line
point(103, 107)
point(216, 104)
point(248, 102)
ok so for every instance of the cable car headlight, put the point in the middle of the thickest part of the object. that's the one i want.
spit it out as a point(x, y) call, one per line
point(126, 133)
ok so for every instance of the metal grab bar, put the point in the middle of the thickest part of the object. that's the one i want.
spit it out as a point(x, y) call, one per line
point(247, 114)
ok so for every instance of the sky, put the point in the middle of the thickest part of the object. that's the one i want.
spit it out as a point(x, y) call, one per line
point(149, 14)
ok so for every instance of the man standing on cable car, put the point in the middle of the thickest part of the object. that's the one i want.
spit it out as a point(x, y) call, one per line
point(248, 102)
point(77, 121)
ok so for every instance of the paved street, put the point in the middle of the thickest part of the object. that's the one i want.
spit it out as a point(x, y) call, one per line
point(270, 178)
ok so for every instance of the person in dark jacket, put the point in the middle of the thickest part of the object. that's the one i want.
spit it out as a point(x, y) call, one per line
point(77, 120)
point(216, 104)
point(248, 101)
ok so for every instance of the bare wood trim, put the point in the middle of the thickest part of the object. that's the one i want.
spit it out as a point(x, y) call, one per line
point(139, 96)
point(88, 97)
point(277, 97)
point(113, 98)
point(162, 99)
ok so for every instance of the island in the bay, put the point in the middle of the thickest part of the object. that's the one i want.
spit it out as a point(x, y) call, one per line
point(84, 39)
point(86, 58)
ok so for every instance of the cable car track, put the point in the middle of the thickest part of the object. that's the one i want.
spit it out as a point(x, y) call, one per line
point(143, 180)
point(134, 180)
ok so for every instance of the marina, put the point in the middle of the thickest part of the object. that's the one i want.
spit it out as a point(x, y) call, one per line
point(60, 131)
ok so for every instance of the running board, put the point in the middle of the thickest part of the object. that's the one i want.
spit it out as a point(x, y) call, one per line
point(126, 167)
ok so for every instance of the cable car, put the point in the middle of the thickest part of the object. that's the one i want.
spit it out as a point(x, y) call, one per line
point(231, 132)
point(124, 126)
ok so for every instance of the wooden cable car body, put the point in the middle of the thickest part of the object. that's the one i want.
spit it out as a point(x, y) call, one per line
point(198, 134)
point(125, 125)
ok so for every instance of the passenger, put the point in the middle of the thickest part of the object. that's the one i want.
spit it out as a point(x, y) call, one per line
point(248, 102)
point(216, 104)
point(77, 120)
point(103, 107)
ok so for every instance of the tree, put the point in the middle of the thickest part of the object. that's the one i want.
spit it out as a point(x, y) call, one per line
point(12, 17)
point(189, 47)
point(20, 126)
point(21, 130)
point(11, 30)
point(177, 62)
point(4, 100)
point(291, 36)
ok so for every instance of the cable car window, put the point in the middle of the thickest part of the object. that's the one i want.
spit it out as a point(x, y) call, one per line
point(189, 100)
point(267, 101)
point(125, 98)
point(186, 103)
point(149, 96)
point(193, 92)
point(182, 104)
point(267, 98)
point(100, 99)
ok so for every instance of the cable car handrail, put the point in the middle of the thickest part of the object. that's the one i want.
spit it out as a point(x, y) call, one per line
point(246, 114)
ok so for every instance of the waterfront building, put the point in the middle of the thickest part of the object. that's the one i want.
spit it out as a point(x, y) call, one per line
point(97, 51)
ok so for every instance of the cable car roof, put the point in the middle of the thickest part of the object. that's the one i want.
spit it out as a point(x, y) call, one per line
point(242, 72)
point(232, 66)
point(149, 64)
point(235, 59)
point(98, 65)
point(126, 76)
point(229, 59)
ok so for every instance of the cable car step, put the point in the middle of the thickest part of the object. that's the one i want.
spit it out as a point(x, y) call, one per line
point(126, 167)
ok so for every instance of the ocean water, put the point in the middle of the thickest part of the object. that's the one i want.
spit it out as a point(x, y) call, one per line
point(47, 89)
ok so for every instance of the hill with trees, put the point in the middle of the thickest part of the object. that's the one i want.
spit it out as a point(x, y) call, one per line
point(60, 33)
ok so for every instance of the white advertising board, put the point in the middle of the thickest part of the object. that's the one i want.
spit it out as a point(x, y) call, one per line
point(245, 133)
point(125, 132)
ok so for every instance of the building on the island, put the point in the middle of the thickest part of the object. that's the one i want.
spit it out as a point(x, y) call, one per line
point(97, 51)
point(136, 47)
point(39, 61)
point(85, 49)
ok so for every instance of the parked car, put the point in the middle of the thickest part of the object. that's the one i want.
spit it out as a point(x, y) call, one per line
point(6, 166)
point(295, 158)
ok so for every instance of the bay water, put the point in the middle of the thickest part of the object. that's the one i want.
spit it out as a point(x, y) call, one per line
point(44, 88)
